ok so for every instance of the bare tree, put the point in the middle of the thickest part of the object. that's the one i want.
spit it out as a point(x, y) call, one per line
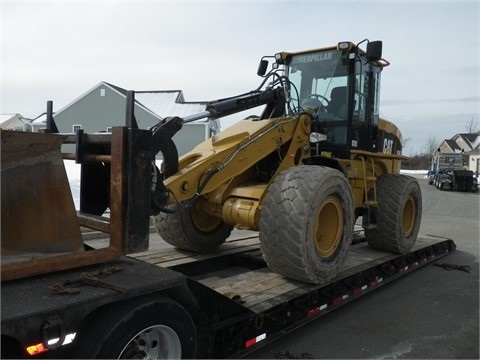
point(432, 145)
point(471, 126)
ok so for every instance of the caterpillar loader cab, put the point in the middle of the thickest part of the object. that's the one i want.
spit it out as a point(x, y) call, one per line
point(318, 158)
point(342, 86)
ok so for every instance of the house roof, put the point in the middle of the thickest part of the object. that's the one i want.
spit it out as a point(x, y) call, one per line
point(40, 119)
point(160, 103)
point(117, 89)
point(169, 103)
point(471, 139)
point(453, 145)
point(6, 119)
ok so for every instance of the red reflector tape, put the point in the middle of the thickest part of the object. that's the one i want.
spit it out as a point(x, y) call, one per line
point(313, 311)
point(317, 310)
point(339, 299)
point(250, 342)
point(255, 340)
point(360, 289)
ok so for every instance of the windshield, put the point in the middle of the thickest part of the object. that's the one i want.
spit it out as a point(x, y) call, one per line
point(319, 82)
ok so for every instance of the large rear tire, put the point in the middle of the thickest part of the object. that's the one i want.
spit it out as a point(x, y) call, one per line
point(399, 214)
point(192, 229)
point(146, 329)
point(306, 223)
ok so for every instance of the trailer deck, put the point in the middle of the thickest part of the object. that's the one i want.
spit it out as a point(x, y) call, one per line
point(238, 271)
point(275, 304)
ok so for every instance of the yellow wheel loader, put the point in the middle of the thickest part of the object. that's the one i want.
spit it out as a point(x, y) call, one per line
point(317, 158)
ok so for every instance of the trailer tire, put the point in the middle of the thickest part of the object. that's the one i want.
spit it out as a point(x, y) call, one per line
point(155, 329)
point(306, 223)
point(192, 229)
point(399, 214)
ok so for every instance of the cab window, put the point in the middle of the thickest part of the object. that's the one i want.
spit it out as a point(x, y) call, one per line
point(319, 82)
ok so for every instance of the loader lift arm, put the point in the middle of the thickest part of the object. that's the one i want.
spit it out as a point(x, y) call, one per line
point(273, 98)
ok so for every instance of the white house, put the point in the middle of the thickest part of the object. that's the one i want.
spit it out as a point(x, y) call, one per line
point(13, 122)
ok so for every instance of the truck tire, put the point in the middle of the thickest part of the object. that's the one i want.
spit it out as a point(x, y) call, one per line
point(399, 214)
point(306, 223)
point(155, 329)
point(192, 229)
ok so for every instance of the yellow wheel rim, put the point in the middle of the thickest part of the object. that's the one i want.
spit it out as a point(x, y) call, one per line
point(408, 216)
point(328, 227)
point(203, 221)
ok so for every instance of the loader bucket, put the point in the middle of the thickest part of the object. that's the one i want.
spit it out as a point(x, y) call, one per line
point(38, 213)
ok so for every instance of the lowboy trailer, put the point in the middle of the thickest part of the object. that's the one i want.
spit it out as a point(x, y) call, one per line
point(221, 305)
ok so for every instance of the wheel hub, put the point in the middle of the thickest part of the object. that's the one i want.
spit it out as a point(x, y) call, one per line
point(203, 221)
point(328, 227)
point(408, 216)
point(155, 342)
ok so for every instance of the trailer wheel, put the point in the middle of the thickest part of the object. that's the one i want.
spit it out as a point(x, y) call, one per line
point(157, 329)
point(399, 214)
point(306, 223)
point(192, 229)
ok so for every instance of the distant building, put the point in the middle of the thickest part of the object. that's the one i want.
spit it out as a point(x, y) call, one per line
point(467, 144)
point(39, 123)
point(449, 146)
point(14, 122)
point(104, 106)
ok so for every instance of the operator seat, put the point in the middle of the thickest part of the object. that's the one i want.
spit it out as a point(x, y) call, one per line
point(338, 102)
point(337, 106)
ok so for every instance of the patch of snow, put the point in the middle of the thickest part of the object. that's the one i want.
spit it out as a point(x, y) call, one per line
point(74, 173)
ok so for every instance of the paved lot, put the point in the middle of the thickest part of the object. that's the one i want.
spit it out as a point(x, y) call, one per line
point(429, 314)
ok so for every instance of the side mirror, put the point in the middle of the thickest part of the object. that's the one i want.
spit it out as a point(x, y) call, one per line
point(374, 50)
point(262, 67)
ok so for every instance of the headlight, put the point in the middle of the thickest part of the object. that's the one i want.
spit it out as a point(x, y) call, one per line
point(317, 137)
point(345, 45)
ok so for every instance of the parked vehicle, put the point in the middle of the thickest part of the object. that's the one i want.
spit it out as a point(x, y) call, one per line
point(475, 185)
point(458, 180)
point(439, 175)
point(463, 180)
point(441, 163)
point(431, 176)
point(445, 181)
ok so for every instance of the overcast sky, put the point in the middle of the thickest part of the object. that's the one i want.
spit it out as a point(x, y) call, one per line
point(58, 50)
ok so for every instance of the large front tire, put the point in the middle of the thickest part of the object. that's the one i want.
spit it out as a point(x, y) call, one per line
point(192, 229)
point(306, 223)
point(399, 214)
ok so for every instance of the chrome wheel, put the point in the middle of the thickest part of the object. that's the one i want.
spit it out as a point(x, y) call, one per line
point(154, 342)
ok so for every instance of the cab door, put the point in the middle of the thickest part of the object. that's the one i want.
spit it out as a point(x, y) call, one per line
point(365, 105)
